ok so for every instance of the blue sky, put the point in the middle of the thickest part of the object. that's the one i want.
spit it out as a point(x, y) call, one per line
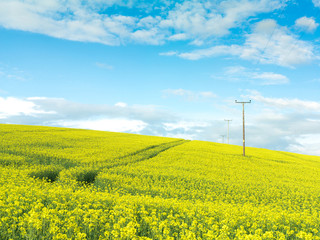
point(166, 68)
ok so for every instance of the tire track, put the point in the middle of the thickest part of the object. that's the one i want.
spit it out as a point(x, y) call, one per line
point(138, 156)
point(143, 154)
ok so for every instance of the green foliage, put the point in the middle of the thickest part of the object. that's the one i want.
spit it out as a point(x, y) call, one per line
point(86, 176)
point(49, 174)
point(142, 187)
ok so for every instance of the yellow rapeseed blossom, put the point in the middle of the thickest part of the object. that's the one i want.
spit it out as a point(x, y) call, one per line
point(60, 183)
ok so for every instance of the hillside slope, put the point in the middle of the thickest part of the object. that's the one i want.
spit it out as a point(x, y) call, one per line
point(77, 184)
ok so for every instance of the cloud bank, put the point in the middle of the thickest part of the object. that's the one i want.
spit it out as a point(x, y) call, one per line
point(282, 48)
point(274, 123)
point(140, 22)
point(204, 22)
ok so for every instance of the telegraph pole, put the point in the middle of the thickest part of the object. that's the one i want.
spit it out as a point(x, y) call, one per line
point(227, 120)
point(222, 138)
point(244, 136)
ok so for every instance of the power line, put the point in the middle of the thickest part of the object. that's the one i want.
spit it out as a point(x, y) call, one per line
point(271, 35)
point(300, 37)
point(243, 128)
point(294, 45)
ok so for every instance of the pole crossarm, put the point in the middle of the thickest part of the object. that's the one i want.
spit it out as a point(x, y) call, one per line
point(244, 138)
point(243, 102)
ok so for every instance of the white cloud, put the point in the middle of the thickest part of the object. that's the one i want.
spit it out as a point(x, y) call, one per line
point(170, 53)
point(70, 20)
point(15, 77)
point(275, 123)
point(16, 107)
point(269, 78)
point(235, 70)
point(148, 22)
point(54, 20)
point(203, 19)
point(114, 125)
point(63, 113)
point(76, 111)
point(184, 125)
point(212, 52)
point(283, 124)
point(189, 95)
point(181, 135)
point(41, 98)
point(306, 24)
point(178, 37)
point(207, 94)
point(12, 73)
point(316, 3)
point(119, 118)
point(283, 48)
point(121, 104)
point(150, 36)
point(307, 144)
point(239, 73)
point(197, 42)
point(76, 20)
point(284, 103)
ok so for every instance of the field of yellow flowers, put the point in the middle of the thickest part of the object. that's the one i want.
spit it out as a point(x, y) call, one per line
point(58, 183)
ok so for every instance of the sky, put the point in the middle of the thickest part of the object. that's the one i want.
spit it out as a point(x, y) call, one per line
point(166, 68)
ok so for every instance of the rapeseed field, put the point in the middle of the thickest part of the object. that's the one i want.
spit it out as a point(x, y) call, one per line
point(58, 183)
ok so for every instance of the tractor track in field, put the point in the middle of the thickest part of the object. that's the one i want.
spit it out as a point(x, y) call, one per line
point(144, 154)
point(140, 155)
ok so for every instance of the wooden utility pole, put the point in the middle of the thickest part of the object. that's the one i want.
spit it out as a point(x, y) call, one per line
point(244, 135)
point(227, 120)
point(222, 138)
